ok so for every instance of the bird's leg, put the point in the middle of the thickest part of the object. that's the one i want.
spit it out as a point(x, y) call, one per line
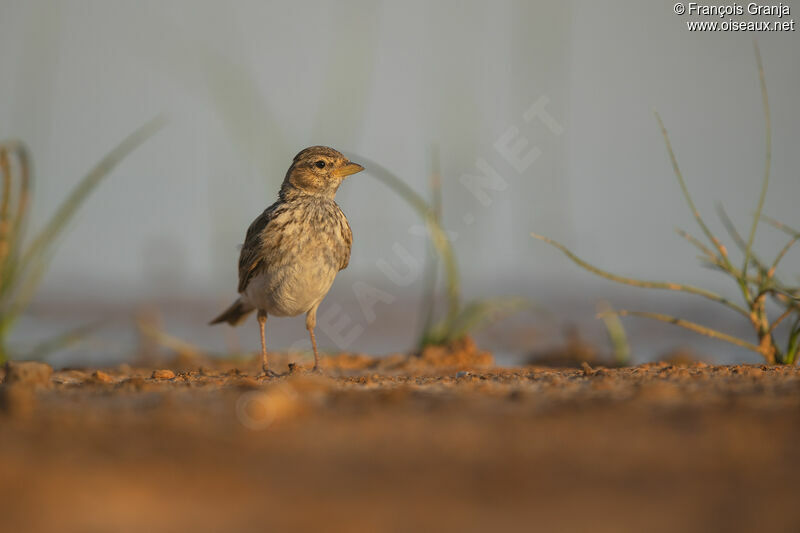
point(311, 322)
point(262, 322)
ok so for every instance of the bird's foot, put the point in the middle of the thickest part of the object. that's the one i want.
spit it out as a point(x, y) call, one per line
point(267, 373)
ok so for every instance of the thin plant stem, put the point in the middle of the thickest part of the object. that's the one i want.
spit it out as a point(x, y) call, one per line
point(696, 242)
point(697, 328)
point(776, 323)
point(737, 238)
point(754, 288)
point(717, 244)
point(780, 226)
point(786, 295)
point(643, 283)
point(768, 158)
point(781, 254)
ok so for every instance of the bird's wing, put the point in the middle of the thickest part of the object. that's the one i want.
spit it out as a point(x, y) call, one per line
point(347, 235)
point(251, 258)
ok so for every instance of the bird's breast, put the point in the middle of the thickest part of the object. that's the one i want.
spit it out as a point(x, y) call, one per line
point(302, 252)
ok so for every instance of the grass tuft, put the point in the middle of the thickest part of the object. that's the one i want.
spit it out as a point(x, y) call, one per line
point(460, 320)
point(22, 265)
point(754, 288)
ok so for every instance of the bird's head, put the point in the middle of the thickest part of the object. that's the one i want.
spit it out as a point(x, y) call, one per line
point(319, 170)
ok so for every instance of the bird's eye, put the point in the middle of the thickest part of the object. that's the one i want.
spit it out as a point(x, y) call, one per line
point(320, 164)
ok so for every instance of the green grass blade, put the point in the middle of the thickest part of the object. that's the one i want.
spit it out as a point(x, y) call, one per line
point(69, 207)
point(34, 261)
point(5, 206)
point(481, 313)
point(428, 300)
point(162, 338)
point(616, 333)
point(23, 201)
point(438, 235)
point(23, 292)
point(63, 340)
point(14, 216)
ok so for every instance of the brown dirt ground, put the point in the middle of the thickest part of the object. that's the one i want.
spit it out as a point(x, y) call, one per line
point(442, 442)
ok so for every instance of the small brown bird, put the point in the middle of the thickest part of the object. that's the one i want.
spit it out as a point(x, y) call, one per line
point(292, 252)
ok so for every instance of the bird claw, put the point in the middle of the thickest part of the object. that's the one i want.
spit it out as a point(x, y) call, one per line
point(269, 374)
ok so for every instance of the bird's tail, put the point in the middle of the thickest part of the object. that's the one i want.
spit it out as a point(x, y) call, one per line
point(235, 314)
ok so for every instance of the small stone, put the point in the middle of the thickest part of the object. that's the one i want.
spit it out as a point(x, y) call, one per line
point(28, 373)
point(462, 374)
point(163, 374)
point(98, 376)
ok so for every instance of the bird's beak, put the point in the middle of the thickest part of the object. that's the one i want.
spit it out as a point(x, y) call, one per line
point(348, 169)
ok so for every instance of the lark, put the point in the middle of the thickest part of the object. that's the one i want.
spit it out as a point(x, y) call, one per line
point(293, 251)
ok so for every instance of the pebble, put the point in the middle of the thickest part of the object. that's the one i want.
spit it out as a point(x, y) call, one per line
point(163, 374)
point(462, 374)
point(28, 373)
point(99, 376)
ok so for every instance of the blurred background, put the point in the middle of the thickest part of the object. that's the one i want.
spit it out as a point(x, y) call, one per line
point(246, 85)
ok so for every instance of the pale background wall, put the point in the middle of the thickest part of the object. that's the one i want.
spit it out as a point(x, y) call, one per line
point(248, 84)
